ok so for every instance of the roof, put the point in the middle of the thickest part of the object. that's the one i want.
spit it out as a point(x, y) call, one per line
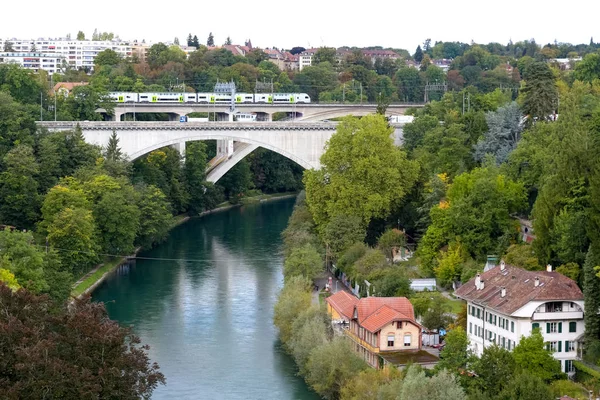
point(520, 288)
point(343, 302)
point(68, 85)
point(381, 317)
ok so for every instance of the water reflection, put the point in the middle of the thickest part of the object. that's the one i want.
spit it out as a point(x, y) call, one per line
point(207, 314)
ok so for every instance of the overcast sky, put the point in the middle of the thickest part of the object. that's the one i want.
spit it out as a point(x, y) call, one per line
point(310, 23)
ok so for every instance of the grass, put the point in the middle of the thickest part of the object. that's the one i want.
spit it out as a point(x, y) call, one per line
point(108, 265)
point(322, 296)
point(456, 305)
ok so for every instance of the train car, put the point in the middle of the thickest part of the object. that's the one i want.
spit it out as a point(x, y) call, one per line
point(263, 98)
point(287, 98)
point(124, 97)
point(190, 98)
point(162, 97)
point(244, 98)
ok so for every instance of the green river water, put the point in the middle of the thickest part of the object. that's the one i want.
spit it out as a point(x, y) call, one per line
point(205, 306)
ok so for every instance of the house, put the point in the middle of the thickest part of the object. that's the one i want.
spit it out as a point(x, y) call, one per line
point(65, 88)
point(506, 303)
point(378, 326)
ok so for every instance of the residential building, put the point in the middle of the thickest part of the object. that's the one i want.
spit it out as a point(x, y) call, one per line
point(305, 58)
point(65, 88)
point(35, 61)
point(382, 54)
point(506, 303)
point(378, 326)
point(78, 53)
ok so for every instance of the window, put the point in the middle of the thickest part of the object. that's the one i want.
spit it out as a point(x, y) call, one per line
point(390, 340)
point(569, 366)
point(495, 320)
point(407, 339)
point(552, 346)
point(569, 346)
point(535, 325)
point(572, 326)
point(470, 327)
point(512, 326)
point(478, 313)
point(552, 327)
point(554, 306)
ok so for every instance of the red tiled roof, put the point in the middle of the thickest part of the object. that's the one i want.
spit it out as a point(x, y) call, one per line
point(367, 306)
point(68, 85)
point(380, 318)
point(520, 288)
point(343, 302)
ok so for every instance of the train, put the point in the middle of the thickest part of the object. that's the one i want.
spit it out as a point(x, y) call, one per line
point(211, 98)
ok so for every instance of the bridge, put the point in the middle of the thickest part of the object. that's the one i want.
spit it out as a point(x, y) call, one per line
point(311, 112)
point(301, 142)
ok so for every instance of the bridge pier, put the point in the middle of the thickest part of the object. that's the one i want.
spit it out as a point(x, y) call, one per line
point(174, 117)
point(180, 147)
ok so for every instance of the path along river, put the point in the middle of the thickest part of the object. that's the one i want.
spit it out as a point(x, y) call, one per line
point(205, 306)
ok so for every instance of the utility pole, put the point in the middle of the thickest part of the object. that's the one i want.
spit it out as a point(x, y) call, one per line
point(41, 105)
point(344, 93)
point(361, 93)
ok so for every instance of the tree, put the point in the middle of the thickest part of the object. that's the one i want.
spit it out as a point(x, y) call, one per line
point(227, 41)
point(8, 278)
point(297, 50)
point(526, 387)
point(417, 386)
point(210, 42)
point(310, 329)
point(195, 42)
point(418, 56)
point(155, 215)
point(533, 359)
point(591, 295)
point(107, 57)
point(343, 231)
point(504, 132)
point(236, 182)
point(495, 369)
point(325, 54)
point(522, 256)
point(449, 265)
point(293, 299)
point(455, 356)
point(73, 233)
point(19, 200)
point(195, 176)
point(540, 95)
point(362, 173)
point(85, 100)
point(176, 41)
point(588, 69)
point(366, 385)
point(8, 47)
point(75, 352)
point(304, 261)
point(20, 256)
point(391, 240)
point(331, 366)
point(16, 125)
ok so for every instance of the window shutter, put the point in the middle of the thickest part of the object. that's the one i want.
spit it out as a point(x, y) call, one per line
point(572, 326)
point(566, 345)
point(559, 346)
point(560, 327)
point(535, 325)
point(547, 327)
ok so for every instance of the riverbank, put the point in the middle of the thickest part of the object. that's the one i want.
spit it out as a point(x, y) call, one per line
point(90, 281)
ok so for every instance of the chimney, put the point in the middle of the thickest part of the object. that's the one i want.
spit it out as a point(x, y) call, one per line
point(481, 285)
point(536, 282)
point(549, 268)
point(503, 292)
point(477, 281)
point(502, 265)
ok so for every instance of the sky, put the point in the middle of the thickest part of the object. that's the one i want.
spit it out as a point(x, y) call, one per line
point(310, 23)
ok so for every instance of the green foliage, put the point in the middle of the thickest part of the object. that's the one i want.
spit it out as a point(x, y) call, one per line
point(155, 216)
point(341, 232)
point(393, 283)
point(372, 261)
point(570, 270)
point(533, 360)
point(526, 386)
point(303, 261)
point(71, 352)
point(236, 182)
point(293, 299)
point(16, 126)
point(588, 69)
point(566, 387)
point(591, 295)
point(540, 96)
point(19, 200)
point(449, 266)
point(8, 279)
point(331, 366)
point(495, 369)
point(366, 385)
point(522, 255)
point(312, 328)
point(417, 386)
point(379, 174)
point(390, 240)
point(20, 256)
point(455, 356)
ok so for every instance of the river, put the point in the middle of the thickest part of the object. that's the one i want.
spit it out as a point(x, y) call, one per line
point(205, 306)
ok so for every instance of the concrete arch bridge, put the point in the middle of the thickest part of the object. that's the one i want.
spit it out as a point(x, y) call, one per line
point(303, 143)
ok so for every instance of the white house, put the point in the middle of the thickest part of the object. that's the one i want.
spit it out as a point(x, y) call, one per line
point(506, 303)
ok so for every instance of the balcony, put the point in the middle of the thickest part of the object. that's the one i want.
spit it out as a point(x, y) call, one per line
point(560, 315)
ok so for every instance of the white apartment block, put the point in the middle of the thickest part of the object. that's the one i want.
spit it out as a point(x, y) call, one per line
point(506, 303)
point(50, 63)
point(77, 53)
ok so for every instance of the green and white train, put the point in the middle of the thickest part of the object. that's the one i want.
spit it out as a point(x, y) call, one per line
point(211, 98)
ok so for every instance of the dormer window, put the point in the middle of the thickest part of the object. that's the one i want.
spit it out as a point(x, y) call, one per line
point(555, 306)
point(355, 316)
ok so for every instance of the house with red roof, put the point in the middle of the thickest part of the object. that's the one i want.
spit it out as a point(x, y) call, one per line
point(378, 326)
point(505, 303)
